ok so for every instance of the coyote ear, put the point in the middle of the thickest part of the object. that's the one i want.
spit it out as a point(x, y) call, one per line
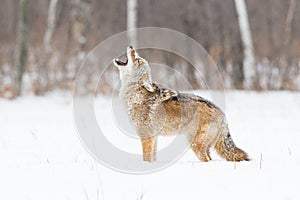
point(146, 83)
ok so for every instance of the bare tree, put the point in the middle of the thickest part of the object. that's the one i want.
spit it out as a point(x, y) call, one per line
point(132, 21)
point(285, 60)
point(42, 79)
point(23, 40)
point(249, 60)
point(81, 13)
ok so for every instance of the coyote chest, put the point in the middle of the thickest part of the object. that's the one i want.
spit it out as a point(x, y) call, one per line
point(144, 108)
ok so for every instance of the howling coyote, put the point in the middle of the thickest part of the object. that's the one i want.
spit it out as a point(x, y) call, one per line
point(157, 111)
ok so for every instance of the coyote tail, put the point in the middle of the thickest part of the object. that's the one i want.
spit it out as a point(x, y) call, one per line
point(227, 149)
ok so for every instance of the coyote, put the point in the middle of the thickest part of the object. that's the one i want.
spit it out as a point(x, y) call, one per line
point(156, 111)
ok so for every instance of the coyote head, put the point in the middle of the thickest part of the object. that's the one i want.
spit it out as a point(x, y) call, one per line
point(134, 70)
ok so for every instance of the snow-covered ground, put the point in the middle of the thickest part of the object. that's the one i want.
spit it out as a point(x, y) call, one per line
point(41, 156)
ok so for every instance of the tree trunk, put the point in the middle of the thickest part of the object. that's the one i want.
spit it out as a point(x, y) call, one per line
point(81, 14)
point(285, 60)
point(23, 46)
point(132, 21)
point(249, 59)
point(42, 81)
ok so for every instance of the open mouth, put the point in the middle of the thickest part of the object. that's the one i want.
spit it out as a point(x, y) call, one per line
point(120, 62)
point(131, 54)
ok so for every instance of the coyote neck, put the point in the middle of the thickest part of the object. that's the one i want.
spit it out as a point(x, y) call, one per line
point(129, 93)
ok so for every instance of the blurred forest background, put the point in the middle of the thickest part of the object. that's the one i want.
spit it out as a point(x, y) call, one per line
point(44, 42)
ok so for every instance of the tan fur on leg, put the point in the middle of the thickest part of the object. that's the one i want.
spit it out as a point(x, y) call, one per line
point(149, 149)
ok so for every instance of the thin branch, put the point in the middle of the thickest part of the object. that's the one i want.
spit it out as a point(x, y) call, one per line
point(260, 162)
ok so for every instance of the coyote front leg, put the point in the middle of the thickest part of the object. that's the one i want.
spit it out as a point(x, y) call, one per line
point(149, 148)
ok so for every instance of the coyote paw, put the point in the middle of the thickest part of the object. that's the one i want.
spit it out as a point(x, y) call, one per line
point(149, 157)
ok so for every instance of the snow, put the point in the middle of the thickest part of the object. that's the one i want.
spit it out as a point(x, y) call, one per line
point(41, 156)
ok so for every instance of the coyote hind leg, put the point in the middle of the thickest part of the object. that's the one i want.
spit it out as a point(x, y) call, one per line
point(201, 151)
point(201, 144)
